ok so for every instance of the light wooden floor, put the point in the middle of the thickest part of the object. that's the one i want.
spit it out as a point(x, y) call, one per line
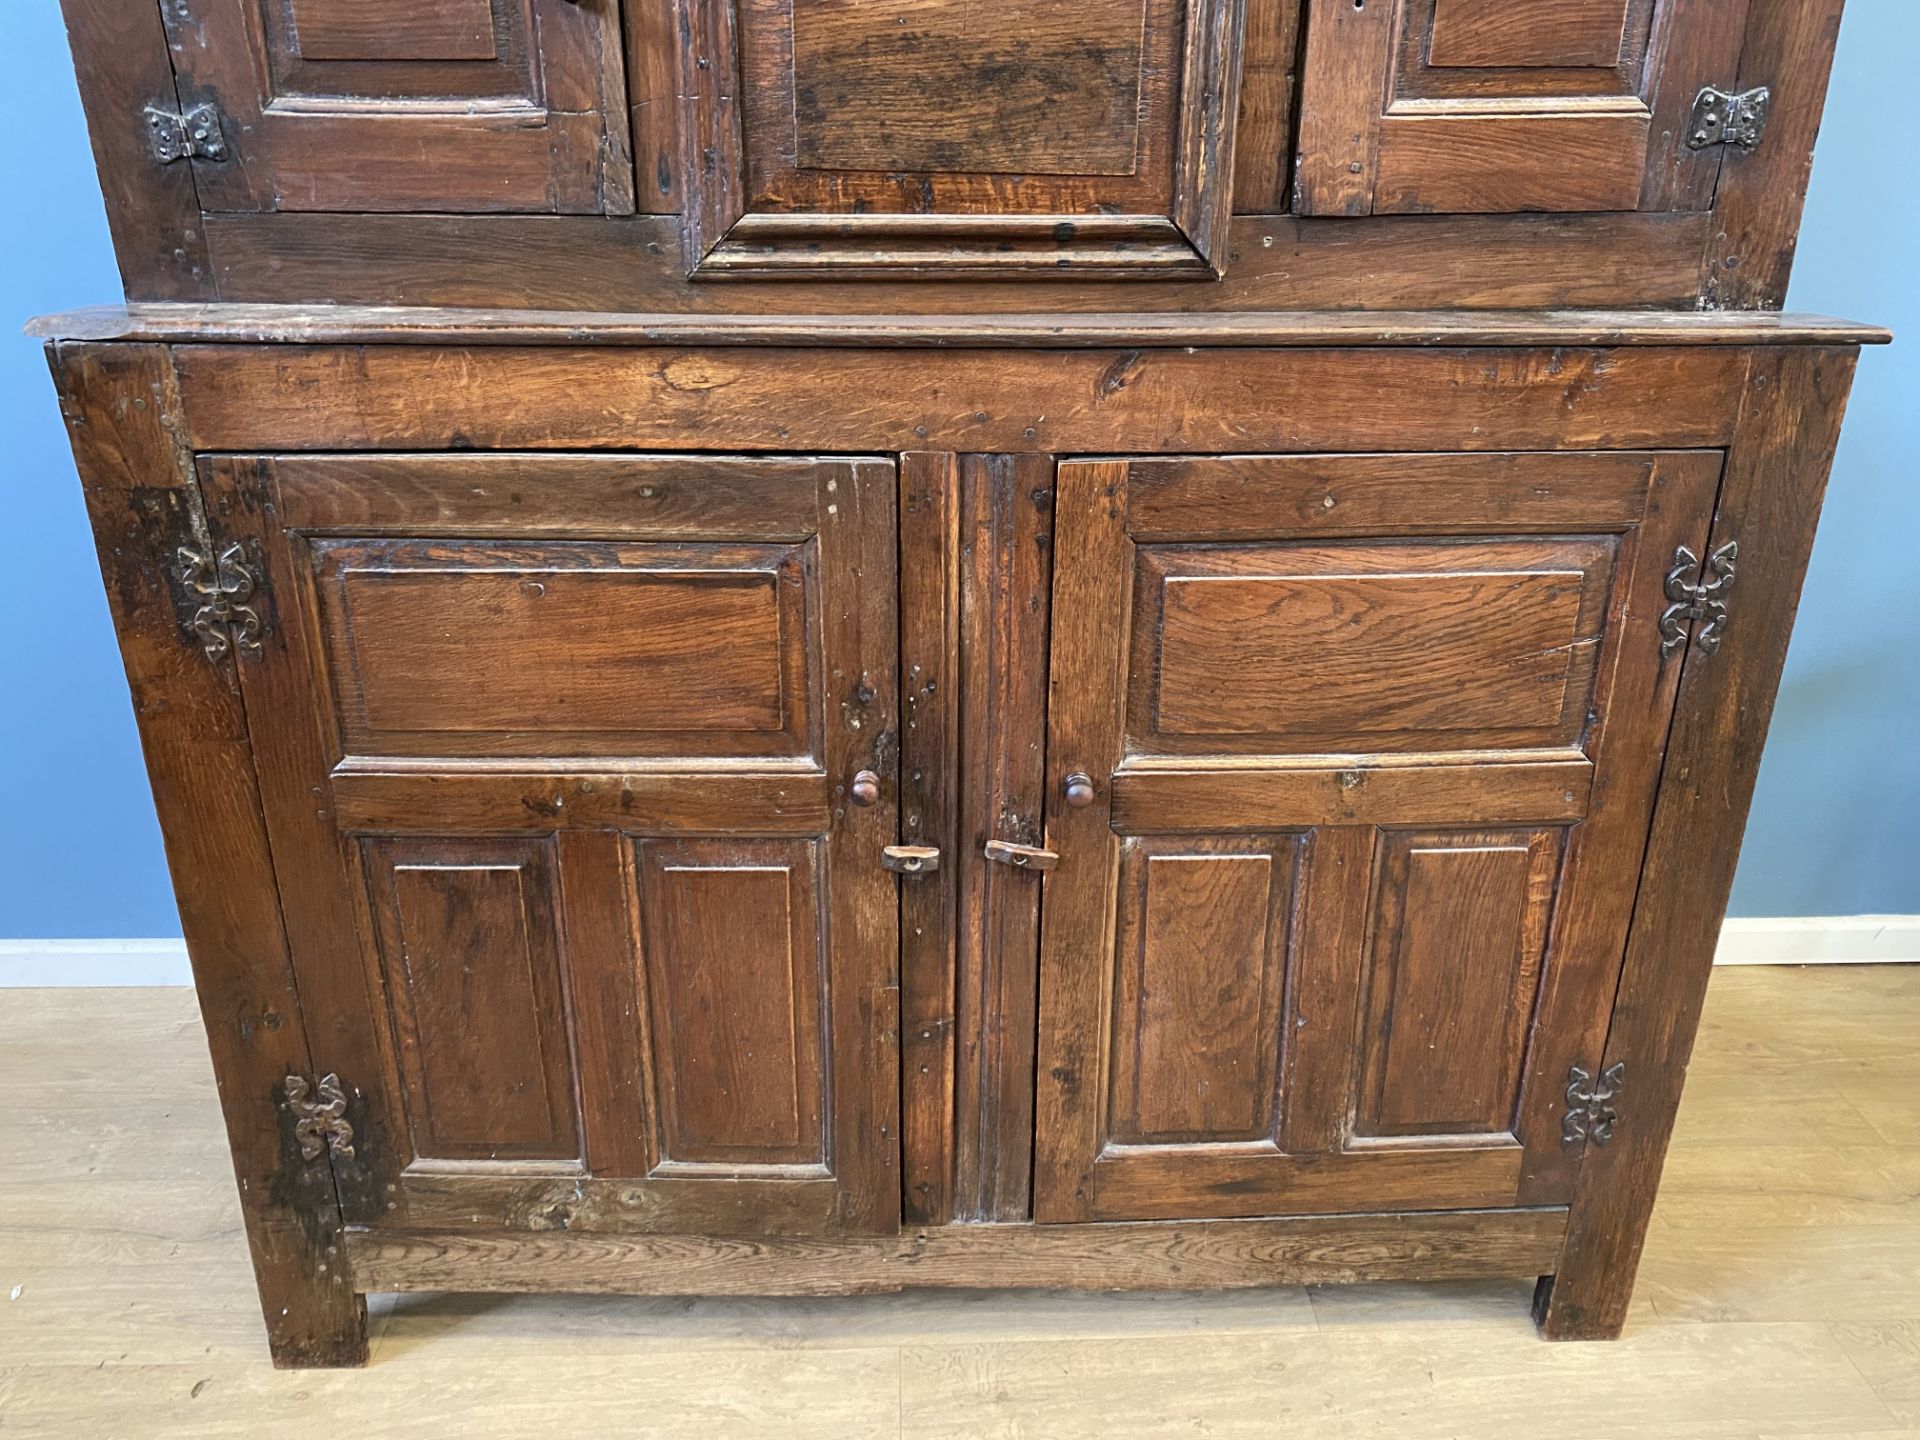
point(1780, 1296)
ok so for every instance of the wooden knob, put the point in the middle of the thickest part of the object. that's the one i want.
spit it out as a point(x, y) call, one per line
point(1079, 790)
point(866, 788)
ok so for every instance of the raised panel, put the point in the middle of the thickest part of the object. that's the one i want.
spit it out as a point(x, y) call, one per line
point(1515, 33)
point(460, 105)
point(470, 952)
point(374, 30)
point(1200, 978)
point(1457, 730)
point(1458, 939)
point(1501, 106)
point(471, 647)
point(733, 951)
point(981, 86)
point(941, 137)
point(1369, 646)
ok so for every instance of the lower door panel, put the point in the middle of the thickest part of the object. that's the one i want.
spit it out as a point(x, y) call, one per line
point(1373, 742)
point(559, 755)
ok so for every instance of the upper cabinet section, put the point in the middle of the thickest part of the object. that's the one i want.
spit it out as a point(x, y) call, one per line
point(1507, 106)
point(827, 156)
point(939, 137)
point(448, 105)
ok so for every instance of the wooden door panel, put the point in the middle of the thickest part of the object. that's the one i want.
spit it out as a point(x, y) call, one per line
point(1511, 34)
point(464, 105)
point(1401, 646)
point(469, 943)
point(559, 802)
point(1453, 970)
point(941, 137)
point(732, 948)
point(588, 648)
point(1204, 932)
point(1494, 106)
point(1374, 743)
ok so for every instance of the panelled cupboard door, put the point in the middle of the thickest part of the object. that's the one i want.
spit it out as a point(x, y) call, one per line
point(943, 137)
point(452, 105)
point(559, 757)
point(1373, 742)
point(1471, 106)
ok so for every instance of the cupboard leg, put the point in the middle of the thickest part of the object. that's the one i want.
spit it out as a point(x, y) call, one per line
point(313, 1321)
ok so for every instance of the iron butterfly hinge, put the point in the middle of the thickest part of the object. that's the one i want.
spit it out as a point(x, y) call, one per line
point(1590, 1112)
point(319, 1120)
point(1722, 117)
point(226, 586)
point(1704, 601)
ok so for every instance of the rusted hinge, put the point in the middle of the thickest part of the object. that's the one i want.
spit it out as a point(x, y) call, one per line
point(1722, 118)
point(319, 1120)
point(226, 586)
point(1590, 1111)
point(1704, 601)
point(193, 133)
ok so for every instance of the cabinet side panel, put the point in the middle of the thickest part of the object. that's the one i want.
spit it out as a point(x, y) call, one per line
point(120, 58)
point(1776, 475)
point(122, 412)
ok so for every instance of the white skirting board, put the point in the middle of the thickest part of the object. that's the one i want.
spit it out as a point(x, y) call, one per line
point(1787, 940)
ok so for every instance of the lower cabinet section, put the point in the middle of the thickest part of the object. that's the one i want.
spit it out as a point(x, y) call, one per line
point(757, 873)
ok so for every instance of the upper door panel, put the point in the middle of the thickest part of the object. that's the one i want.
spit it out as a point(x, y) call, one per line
point(1490, 106)
point(461, 105)
point(927, 137)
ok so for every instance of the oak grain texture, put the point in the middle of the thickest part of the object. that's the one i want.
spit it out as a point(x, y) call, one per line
point(930, 804)
point(530, 115)
point(1275, 262)
point(323, 324)
point(1096, 140)
point(417, 397)
point(1312, 1250)
point(1006, 570)
point(121, 63)
point(1789, 49)
point(123, 416)
point(1769, 502)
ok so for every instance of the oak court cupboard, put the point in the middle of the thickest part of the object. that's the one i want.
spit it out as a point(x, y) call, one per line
point(813, 646)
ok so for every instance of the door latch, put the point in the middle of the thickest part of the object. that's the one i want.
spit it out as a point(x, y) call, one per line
point(1021, 857)
point(910, 859)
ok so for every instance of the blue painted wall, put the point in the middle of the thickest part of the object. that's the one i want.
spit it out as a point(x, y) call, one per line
point(1833, 829)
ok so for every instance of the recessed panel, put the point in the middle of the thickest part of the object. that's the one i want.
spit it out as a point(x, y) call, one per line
point(1509, 33)
point(1458, 935)
point(1200, 977)
point(984, 86)
point(733, 962)
point(477, 647)
point(1371, 646)
point(470, 949)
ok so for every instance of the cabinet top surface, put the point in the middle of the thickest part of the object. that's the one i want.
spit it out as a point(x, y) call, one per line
point(398, 325)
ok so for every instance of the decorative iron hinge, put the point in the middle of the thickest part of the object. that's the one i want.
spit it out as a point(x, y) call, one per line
point(320, 1121)
point(1590, 1113)
point(1703, 601)
point(227, 620)
point(1722, 119)
point(195, 133)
